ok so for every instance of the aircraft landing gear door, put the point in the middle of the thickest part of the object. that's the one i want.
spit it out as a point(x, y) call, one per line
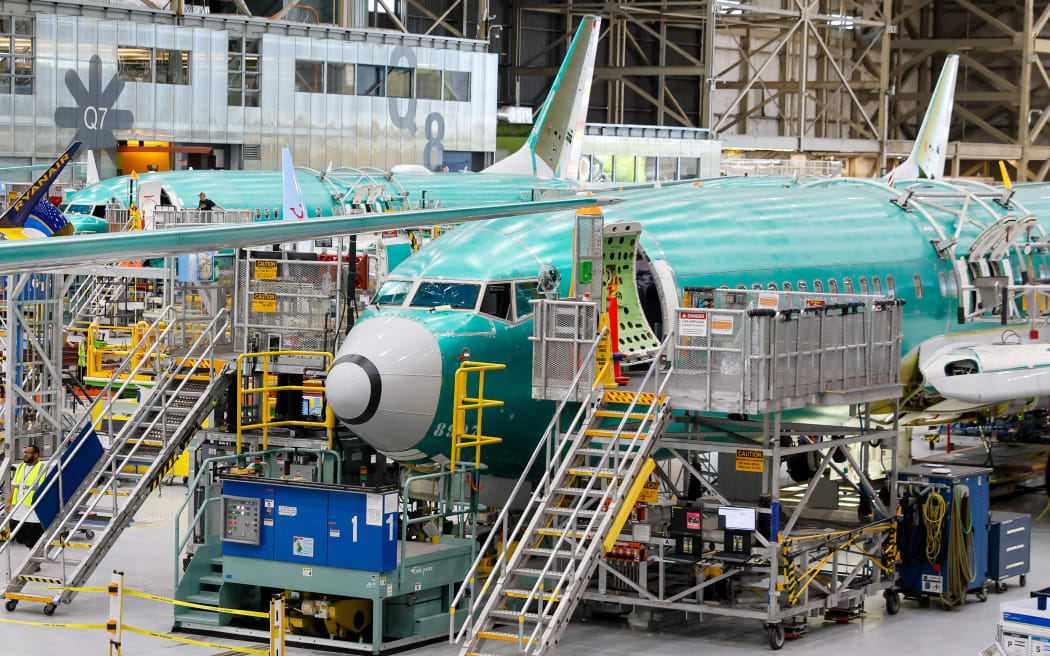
point(637, 341)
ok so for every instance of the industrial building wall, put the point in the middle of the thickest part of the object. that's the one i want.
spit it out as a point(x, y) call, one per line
point(107, 80)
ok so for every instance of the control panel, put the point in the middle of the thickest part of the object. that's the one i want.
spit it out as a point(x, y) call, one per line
point(241, 519)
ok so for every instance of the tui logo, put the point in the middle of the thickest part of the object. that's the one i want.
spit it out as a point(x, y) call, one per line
point(94, 117)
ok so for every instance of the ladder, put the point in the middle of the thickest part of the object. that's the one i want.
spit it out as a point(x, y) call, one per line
point(595, 473)
point(140, 451)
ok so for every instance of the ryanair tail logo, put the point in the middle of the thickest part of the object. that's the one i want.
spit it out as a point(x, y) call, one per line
point(18, 213)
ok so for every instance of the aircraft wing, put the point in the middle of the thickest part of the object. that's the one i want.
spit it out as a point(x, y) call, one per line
point(48, 254)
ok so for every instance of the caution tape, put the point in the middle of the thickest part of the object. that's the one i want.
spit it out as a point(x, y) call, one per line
point(55, 625)
point(164, 636)
point(166, 600)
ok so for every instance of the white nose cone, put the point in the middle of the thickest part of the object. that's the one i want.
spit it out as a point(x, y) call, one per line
point(385, 384)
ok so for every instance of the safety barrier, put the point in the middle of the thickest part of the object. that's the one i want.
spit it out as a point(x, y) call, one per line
point(329, 417)
point(115, 627)
point(461, 439)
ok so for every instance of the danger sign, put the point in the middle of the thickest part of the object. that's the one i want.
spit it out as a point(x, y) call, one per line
point(692, 323)
point(750, 460)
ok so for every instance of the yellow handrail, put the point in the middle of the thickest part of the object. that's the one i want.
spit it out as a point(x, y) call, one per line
point(329, 417)
point(461, 439)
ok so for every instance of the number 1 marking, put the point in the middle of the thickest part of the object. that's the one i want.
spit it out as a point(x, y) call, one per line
point(353, 523)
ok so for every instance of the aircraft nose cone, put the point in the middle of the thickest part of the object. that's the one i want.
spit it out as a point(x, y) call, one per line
point(385, 383)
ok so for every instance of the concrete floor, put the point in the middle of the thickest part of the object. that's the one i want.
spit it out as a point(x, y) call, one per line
point(145, 555)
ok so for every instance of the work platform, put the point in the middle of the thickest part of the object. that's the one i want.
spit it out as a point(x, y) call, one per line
point(703, 426)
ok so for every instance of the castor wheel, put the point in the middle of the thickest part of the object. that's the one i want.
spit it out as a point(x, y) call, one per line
point(1000, 586)
point(11, 605)
point(776, 637)
point(49, 609)
point(893, 602)
point(982, 594)
point(1022, 580)
point(90, 535)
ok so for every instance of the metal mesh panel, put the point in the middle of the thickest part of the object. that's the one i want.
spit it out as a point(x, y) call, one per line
point(563, 332)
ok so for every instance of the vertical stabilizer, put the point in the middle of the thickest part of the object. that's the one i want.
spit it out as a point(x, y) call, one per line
point(33, 212)
point(292, 206)
point(553, 147)
point(91, 173)
point(931, 143)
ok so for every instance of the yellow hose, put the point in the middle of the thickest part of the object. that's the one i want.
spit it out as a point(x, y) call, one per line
point(933, 511)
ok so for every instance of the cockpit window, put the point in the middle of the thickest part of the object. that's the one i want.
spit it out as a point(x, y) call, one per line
point(523, 293)
point(496, 301)
point(79, 209)
point(457, 295)
point(393, 292)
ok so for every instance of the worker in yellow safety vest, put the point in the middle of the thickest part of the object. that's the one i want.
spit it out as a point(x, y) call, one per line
point(28, 476)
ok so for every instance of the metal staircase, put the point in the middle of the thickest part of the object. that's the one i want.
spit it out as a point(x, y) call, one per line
point(576, 510)
point(140, 451)
point(91, 297)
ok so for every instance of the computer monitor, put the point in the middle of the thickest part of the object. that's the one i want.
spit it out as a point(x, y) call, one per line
point(736, 519)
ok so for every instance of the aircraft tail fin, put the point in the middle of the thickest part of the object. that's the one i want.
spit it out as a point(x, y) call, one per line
point(931, 143)
point(33, 212)
point(553, 147)
point(91, 173)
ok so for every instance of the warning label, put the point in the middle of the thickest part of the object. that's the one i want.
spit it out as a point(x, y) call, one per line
point(303, 547)
point(933, 583)
point(692, 324)
point(770, 300)
point(750, 460)
point(264, 302)
point(722, 324)
point(266, 269)
point(649, 493)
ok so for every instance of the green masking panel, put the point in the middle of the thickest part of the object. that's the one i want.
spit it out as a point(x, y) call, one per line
point(637, 341)
point(586, 272)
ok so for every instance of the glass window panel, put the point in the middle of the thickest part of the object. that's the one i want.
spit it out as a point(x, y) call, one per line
point(340, 79)
point(234, 63)
point(251, 98)
point(5, 24)
point(5, 85)
point(252, 63)
point(235, 81)
point(668, 168)
point(369, 80)
point(393, 292)
point(5, 65)
point(399, 83)
point(457, 86)
point(23, 66)
point(623, 168)
point(182, 66)
point(496, 301)
point(688, 168)
point(650, 169)
point(24, 26)
point(428, 84)
point(5, 45)
point(309, 76)
point(523, 293)
point(134, 64)
point(236, 45)
point(457, 295)
point(234, 97)
point(23, 46)
point(24, 86)
point(253, 45)
point(251, 81)
point(163, 65)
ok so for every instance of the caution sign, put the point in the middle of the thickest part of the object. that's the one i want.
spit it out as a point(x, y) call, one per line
point(264, 302)
point(722, 324)
point(769, 300)
point(692, 323)
point(266, 269)
point(649, 492)
point(750, 460)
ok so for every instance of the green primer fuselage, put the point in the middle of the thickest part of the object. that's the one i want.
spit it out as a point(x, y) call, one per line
point(754, 234)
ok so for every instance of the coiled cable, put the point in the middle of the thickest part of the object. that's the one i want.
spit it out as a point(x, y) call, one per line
point(933, 512)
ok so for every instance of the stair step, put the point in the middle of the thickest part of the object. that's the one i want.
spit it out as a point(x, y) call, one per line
point(567, 512)
point(583, 451)
point(216, 561)
point(534, 571)
point(197, 616)
point(206, 597)
point(499, 635)
point(626, 398)
point(547, 553)
point(557, 532)
point(625, 435)
point(604, 472)
point(615, 414)
point(577, 491)
point(514, 615)
point(524, 594)
point(44, 561)
point(212, 580)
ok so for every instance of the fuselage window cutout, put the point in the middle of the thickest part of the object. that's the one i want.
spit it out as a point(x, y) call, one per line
point(772, 286)
point(942, 280)
point(876, 284)
point(833, 286)
point(496, 300)
point(787, 286)
point(891, 287)
point(917, 279)
point(864, 285)
point(802, 286)
point(741, 286)
point(757, 286)
point(847, 285)
point(818, 286)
